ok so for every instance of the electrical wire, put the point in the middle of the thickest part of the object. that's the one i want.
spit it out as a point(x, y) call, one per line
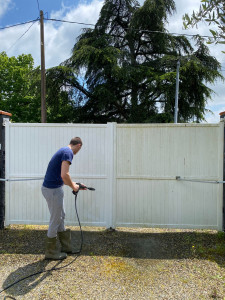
point(174, 33)
point(71, 22)
point(38, 6)
point(10, 26)
point(22, 35)
point(89, 24)
point(147, 31)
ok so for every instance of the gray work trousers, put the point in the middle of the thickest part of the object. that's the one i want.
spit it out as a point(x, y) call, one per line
point(55, 201)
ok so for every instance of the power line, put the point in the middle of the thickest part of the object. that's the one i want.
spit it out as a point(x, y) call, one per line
point(89, 24)
point(72, 22)
point(149, 31)
point(178, 34)
point(10, 26)
point(46, 14)
point(22, 35)
point(38, 6)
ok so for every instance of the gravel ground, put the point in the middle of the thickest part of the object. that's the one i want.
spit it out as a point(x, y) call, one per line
point(129, 263)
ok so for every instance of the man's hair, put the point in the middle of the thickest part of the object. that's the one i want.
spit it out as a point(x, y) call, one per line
point(76, 141)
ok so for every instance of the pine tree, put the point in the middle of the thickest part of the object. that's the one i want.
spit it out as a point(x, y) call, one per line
point(129, 65)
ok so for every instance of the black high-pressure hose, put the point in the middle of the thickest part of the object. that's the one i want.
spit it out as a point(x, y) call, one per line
point(81, 187)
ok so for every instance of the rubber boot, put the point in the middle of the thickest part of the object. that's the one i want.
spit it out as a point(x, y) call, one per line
point(65, 240)
point(52, 251)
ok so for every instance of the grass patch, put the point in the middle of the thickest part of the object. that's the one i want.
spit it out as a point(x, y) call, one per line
point(210, 249)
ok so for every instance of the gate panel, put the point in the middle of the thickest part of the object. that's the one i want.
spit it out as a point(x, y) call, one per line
point(31, 146)
point(149, 157)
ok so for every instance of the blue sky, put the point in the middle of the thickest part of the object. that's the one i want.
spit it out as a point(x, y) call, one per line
point(25, 10)
point(60, 37)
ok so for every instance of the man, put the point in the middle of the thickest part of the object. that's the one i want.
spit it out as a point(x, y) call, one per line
point(56, 175)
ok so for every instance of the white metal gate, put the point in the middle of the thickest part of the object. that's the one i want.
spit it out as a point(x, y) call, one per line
point(133, 168)
point(149, 157)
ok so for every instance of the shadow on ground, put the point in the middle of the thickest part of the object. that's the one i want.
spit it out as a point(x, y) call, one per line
point(135, 244)
point(31, 271)
point(139, 244)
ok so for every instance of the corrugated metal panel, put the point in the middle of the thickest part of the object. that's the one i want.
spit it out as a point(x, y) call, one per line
point(31, 148)
point(149, 157)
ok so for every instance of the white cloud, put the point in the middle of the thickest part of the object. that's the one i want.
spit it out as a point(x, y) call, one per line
point(4, 6)
point(59, 14)
point(59, 37)
point(28, 44)
point(214, 117)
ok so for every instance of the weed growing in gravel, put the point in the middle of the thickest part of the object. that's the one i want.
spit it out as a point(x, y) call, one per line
point(211, 250)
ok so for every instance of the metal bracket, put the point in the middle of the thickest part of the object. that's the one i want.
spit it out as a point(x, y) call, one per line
point(5, 120)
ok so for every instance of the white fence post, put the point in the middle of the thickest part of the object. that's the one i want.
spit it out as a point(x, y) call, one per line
point(7, 171)
point(111, 201)
point(221, 168)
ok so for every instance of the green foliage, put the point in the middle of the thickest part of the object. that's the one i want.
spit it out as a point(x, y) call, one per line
point(127, 67)
point(213, 12)
point(59, 103)
point(18, 87)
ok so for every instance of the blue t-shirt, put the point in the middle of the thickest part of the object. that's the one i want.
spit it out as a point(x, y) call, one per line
point(53, 177)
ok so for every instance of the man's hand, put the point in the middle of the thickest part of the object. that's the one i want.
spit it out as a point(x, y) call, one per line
point(75, 187)
point(82, 186)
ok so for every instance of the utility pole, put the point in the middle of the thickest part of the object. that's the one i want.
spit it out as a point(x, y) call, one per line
point(43, 85)
point(177, 93)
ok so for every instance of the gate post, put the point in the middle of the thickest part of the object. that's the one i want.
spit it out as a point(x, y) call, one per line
point(111, 205)
point(224, 177)
point(222, 119)
point(4, 117)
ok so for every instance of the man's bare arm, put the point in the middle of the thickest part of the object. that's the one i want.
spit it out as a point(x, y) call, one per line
point(66, 176)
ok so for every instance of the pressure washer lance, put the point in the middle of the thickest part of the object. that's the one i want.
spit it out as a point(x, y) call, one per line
point(81, 187)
